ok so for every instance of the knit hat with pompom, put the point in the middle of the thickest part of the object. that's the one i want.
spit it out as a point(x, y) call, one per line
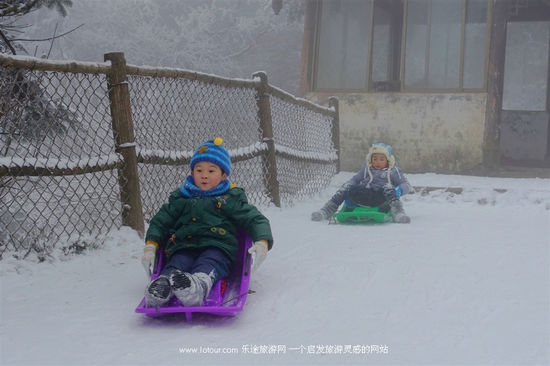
point(212, 151)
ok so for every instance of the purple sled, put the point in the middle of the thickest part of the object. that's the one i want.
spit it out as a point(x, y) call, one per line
point(227, 296)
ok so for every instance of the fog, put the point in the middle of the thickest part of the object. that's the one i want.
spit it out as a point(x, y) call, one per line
point(231, 38)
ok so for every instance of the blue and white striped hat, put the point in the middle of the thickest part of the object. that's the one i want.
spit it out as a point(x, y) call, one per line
point(212, 151)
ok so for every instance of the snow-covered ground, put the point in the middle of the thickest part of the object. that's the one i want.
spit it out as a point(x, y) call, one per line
point(467, 282)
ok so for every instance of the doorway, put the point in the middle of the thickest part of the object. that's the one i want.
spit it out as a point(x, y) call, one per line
point(524, 128)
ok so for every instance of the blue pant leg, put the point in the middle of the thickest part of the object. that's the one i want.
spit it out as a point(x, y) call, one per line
point(214, 263)
point(182, 260)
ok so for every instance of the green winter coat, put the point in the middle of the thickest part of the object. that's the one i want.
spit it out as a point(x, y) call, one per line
point(197, 223)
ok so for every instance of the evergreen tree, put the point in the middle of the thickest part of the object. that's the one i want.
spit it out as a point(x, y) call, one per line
point(26, 109)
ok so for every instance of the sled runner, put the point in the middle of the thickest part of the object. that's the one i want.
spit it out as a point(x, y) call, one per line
point(227, 296)
point(360, 215)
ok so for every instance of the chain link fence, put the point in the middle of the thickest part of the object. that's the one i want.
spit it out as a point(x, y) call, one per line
point(172, 116)
point(304, 164)
point(68, 145)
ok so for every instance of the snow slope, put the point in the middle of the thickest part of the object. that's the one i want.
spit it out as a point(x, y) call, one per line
point(467, 282)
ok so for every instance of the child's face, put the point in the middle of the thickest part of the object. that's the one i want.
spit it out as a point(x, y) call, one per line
point(379, 161)
point(207, 175)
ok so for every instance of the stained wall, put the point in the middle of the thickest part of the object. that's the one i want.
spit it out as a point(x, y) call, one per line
point(440, 133)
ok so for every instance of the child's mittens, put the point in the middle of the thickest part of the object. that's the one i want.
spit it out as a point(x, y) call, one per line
point(259, 253)
point(148, 259)
point(398, 191)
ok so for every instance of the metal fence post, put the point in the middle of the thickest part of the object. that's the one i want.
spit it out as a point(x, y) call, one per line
point(123, 129)
point(270, 162)
point(333, 103)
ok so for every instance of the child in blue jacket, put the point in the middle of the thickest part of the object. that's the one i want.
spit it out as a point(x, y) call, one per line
point(379, 183)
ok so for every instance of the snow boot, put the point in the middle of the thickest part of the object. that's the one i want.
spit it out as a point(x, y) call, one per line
point(158, 292)
point(190, 289)
point(398, 214)
point(326, 212)
point(396, 206)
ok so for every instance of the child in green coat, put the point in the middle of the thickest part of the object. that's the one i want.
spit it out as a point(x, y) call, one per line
point(199, 224)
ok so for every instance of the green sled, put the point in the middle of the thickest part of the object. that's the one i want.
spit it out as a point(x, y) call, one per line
point(360, 215)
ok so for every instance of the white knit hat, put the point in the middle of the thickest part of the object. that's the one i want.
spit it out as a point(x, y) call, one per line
point(380, 148)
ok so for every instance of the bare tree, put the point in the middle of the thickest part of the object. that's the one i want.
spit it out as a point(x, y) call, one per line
point(12, 10)
point(232, 38)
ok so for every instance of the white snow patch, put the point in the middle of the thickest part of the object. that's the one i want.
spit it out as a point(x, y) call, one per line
point(466, 282)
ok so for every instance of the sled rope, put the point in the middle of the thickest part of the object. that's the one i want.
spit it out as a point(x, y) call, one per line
point(236, 297)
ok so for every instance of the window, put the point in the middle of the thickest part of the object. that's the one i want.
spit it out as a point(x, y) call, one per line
point(381, 44)
point(359, 45)
point(445, 49)
point(475, 40)
point(526, 66)
point(343, 44)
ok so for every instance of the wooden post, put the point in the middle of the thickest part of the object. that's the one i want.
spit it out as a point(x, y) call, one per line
point(495, 84)
point(270, 162)
point(333, 103)
point(123, 129)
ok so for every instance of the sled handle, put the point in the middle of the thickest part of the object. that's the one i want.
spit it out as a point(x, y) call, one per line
point(247, 263)
point(156, 264)
point(158, 261)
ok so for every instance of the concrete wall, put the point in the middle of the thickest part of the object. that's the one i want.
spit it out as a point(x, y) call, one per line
point(439, 133)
